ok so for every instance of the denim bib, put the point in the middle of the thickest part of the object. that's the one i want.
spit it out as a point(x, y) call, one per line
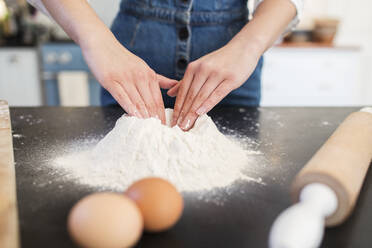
point(168, 34)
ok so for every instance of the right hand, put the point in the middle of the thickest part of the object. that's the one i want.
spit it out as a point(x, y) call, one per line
point(133, 84)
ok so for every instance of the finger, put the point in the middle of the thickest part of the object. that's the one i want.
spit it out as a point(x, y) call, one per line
point(159, 103)
point(123, 99)
point(210, 86)
point(218, 94)
point(143, 88)
point(173, 91)
point(197, 83)
point(136, 99)
point(166, 83)
point(182, 92)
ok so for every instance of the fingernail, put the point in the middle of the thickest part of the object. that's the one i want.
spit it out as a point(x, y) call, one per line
point(179, 122)
point(201, 110)
point(186, 124)
point(171, 95)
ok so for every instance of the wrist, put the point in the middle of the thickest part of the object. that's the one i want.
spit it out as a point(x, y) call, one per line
point(250, 46)
point(94, 40)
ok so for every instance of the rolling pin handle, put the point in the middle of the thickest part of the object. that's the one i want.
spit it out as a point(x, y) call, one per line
point(302, 225)
point(320, 198)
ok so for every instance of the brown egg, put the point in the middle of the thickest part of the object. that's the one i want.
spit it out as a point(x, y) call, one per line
point(160, 203)
point(107, 220)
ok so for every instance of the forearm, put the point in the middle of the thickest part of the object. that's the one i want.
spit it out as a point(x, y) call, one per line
point(78, 20)
point(269, 21)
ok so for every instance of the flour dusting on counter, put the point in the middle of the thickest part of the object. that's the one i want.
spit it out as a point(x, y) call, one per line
point(367, 110)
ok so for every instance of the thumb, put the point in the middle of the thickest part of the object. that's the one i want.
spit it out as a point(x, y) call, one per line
point(166, 83)
point(173, 91)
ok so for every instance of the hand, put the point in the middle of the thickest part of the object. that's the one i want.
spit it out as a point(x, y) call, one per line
point(133, 84)
point(209, 79)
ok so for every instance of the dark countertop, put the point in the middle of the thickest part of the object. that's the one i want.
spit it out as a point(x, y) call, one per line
point(286, 137)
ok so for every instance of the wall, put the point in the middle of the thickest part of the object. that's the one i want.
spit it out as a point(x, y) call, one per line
point(355, 30)
point(106, 9)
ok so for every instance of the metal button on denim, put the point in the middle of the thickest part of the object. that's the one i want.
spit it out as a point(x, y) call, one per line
point(183, 33)
point(182, 63)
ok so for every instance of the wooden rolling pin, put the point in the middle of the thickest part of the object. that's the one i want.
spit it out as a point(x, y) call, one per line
point(9, 237)
point(341, 164)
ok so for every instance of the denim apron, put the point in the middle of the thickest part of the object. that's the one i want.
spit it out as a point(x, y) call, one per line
point(168, 34)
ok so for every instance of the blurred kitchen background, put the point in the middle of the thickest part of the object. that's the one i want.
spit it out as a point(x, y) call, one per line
point(327, 61)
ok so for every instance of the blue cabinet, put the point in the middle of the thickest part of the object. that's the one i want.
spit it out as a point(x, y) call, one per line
point(61, 57)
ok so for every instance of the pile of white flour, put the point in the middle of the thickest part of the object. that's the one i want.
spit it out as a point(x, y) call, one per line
point(201, 159)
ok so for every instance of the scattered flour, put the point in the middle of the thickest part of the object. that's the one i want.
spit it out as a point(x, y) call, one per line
point(367, 109)
point(202, 159)
point(17, 136)
point(325, 123)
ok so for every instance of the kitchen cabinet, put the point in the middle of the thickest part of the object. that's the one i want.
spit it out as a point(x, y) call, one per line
point(292, 76)
point(311, 77)
point(66, 77)
point(19, 77)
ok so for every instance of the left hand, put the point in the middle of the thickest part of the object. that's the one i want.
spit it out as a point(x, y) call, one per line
point(208, 80)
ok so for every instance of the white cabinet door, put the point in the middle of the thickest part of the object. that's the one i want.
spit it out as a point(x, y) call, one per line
point(311, 77)
point(19, 77)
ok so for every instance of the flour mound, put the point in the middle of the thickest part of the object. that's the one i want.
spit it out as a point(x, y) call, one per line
point(197, 160)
